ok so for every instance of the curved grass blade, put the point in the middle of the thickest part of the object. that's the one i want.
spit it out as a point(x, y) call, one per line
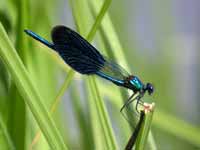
point(5, 136)
point(28, 91)
point(98, 19)
point(179, 128)
point(55, 104)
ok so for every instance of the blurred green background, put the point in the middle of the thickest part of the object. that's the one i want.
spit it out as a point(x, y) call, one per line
point(155, 40)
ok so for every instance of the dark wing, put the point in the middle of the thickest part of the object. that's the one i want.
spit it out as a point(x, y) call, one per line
point(82, 56)
point(76, 51)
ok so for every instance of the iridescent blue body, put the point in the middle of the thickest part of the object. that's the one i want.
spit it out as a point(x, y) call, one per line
point(85, 59)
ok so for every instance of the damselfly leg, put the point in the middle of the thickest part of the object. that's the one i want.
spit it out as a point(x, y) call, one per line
point(128, 101)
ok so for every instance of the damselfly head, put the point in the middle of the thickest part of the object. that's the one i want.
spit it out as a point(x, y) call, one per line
point(149, 87)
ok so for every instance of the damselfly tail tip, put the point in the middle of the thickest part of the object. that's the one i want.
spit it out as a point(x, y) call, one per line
point(27, 31)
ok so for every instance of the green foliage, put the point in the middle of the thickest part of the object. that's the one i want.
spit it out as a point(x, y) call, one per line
point(28, 91)
point(31, 74)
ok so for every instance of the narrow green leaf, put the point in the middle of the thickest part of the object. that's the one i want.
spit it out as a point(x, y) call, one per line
point(96, 128)
point(179, 128)
point(111, 35)
point(103, 116)
point(152, 145)
point(86, 135)
point(64, 87)
point(8, 144)
point(98, 19)
point(17, 125)
point(28, 91)
point(143, 134)
point(61, 92)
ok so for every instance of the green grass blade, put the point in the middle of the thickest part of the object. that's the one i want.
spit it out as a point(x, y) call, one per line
point(22, 23)
point(142, 129)
point(5, 140)
point(86, 135)
point(28, 91)
point(61, 92)
point(178, 128)
point(111, 35)
point(98, 19)
point(103, 116)
point(17, 125)
point(152, 142)
point(143, 135)
point(94, 120)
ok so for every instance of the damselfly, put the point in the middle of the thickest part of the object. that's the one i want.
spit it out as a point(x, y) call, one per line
point(86, 59)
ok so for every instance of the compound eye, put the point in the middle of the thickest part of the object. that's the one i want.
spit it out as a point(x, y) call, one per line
point(150, 88)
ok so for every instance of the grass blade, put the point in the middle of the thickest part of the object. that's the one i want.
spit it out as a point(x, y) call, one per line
point(17, 125)
point(179, 128)
point(28, 91)
point(98, 19)
point(55, 104)
point(143, 135)
point(133, 138)
point(102, 116)
point(5, 136)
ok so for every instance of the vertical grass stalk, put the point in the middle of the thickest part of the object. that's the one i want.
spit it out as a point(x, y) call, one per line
point(144, 132)
point(17, 125)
